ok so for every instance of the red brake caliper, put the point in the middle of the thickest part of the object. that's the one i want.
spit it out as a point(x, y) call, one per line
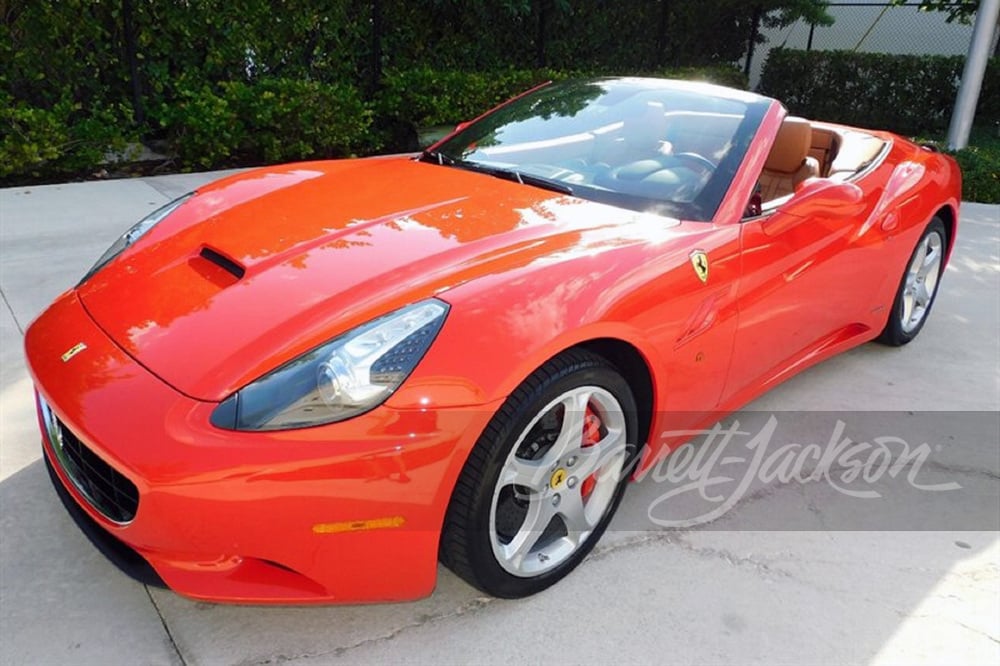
point(591, 436)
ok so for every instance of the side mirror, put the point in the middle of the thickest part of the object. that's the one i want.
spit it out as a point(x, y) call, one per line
point(816, 197)
point(462, 125)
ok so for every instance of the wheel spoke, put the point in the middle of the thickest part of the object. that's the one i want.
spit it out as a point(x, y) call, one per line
point(930, 284)
point(918, 258)
point(532, 474)
point(930, 272)
point(540, 513)
point(908, 305)
point(922, 296)
point(571, 432)
point(574, 516)
point(931, 260)
point(593, 458)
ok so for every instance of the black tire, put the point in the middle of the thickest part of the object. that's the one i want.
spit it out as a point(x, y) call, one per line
point(467, 544)
point(900, 329)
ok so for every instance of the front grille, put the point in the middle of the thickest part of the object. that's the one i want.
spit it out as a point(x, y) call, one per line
point(105, 488)
point(118, 552)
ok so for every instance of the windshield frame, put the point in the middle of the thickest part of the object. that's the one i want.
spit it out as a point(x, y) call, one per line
point(451, 151)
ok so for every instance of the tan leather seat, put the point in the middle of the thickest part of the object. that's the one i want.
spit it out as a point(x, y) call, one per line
point(824, 148)
point(789, 162)
point(641, 137)
point(644, 132)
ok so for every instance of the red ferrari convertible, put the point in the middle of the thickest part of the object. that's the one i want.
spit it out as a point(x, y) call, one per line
point(311, 382)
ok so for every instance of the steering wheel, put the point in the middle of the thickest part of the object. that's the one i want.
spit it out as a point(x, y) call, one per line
point(702, 161)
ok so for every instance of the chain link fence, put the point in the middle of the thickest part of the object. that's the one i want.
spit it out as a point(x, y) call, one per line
point(875, 27)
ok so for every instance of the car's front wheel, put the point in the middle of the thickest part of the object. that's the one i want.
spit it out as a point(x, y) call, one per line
point(918, 288)
point(543, 481)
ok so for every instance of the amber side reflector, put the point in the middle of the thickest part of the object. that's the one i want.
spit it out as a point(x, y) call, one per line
point(359, 525)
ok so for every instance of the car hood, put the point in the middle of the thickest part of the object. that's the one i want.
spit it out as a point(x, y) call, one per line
point(258, 268)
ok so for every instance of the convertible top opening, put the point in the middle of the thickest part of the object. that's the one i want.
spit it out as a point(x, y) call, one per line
point(657, 146)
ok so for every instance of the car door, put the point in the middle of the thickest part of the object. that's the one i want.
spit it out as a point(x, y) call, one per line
point(802, 269)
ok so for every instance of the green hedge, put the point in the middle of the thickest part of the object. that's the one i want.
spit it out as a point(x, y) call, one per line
point(980, 164)
point(980, 172)
point(269, 120)
point(64, 138)
point(903, 93)
point(283, 119)
point(273, 120)
point(426, 97)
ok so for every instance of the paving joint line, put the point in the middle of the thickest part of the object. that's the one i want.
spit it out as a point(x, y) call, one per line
point(166, 627)
point(3, 296)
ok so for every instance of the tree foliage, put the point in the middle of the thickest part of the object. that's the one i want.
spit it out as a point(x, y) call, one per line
point(958, 10)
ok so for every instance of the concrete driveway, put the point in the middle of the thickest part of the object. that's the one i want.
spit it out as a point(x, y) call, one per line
point(792, 572)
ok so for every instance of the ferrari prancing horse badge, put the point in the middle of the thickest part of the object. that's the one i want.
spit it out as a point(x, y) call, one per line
point(699, 260)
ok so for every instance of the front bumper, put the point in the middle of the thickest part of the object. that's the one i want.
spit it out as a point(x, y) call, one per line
point(349, 512)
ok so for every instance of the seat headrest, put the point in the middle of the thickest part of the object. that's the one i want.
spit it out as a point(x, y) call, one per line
point(646, 128)
point(791, 146)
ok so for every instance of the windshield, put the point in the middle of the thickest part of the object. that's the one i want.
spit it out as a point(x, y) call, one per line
point(667, 147)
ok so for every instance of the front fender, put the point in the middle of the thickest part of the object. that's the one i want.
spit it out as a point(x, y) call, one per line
point(500, 330)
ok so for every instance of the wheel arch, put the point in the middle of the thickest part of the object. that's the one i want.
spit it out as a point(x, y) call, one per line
point(463, 505)
point(626, 356)
point(949, 216)
point(635, 368)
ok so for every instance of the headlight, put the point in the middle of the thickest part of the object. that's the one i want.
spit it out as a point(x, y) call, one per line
point(136, 232)
point(347, 376)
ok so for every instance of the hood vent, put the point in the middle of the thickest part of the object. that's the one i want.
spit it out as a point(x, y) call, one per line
point(223, 262)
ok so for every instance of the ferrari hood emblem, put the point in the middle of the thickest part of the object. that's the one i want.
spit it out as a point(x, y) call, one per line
point(73, 351)
point(699, 260)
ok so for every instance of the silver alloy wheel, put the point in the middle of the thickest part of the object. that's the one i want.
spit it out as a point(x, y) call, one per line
point(564, 489)
point(921, 281)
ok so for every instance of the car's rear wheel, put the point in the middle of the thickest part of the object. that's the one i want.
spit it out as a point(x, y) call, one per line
point(543, 481)
point(918, 288)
